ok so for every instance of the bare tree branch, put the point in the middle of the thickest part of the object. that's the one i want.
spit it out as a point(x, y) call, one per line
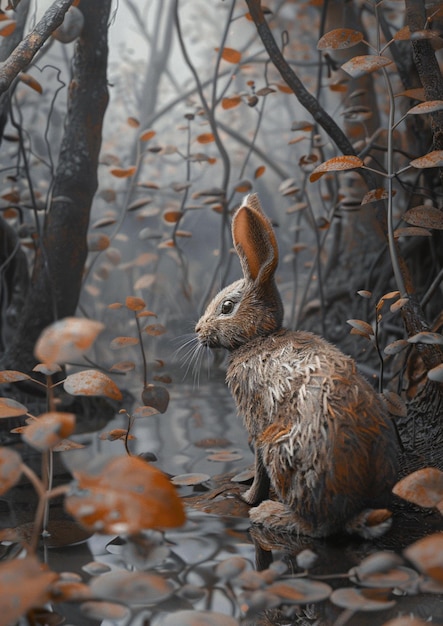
point(23, 54)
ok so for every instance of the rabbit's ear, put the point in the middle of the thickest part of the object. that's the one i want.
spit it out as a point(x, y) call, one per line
point(254, 240)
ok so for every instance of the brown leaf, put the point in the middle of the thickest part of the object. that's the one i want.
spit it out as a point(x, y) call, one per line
point(426, 554)
point(426, 107)
point(155, 330)
point(340, 38)
point(11, 408)
point(425, 216)
point(259, 171)
point(125, 497)
point(135, 304)
point(147, 135)
point(30, 81)
point(123, 342)
point(423, 487)
point(156, 396)
point(66, 340)
point(120, 172)
point(230, 55)
point(360, 65)
point(10, 469)
point(362, 326)
point(336, 164)
point(172, 217)
point(432, 159)
point(205, 138)
point(46, 432)
point(230, 103)
point(91, 383)
point(12, 376)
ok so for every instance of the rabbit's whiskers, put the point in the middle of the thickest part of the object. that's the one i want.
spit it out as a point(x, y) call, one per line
point(190, 354)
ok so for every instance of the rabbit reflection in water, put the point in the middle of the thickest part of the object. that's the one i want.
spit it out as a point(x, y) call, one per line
point(322, 437)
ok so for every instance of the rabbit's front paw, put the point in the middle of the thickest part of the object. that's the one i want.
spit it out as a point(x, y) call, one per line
point(269, 513)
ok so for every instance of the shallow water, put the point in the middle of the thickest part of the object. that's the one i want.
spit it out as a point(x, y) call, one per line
point(200, 422)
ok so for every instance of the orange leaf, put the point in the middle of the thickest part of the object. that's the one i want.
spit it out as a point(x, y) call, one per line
point(66, 340)
point(360, 65)
point(172, 217)
point(11, 408)
point(120, 172)
point(432, 159)
point(135, 304)
point(340, 38)
point(230, 103)
point(125, 497)
point(7, 28)
point(283, 88)
point(91, 383)
point(425, 216)
point(259, 171)
point(426, 107)
point(147, 135)
point(243, 186)
point(335, 164)
point(12, 376)
point(29, 80)
point(121, 342)
point(49, 429)
point(10, 469)
point(155, 330)
point(426, 553)
point(230, 54)
point(205, 138)
point(133, 122)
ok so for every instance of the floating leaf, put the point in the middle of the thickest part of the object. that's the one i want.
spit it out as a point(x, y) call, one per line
point(430, 106)
point(66, 340)
point(432, 159)
point(340, 38)
point(11, 408)
point(336, 164)
point(188, 480)
point(225, 456)
point(49, 429)
point(10, 469)
point(230, 103)
point(360, 65)
point(425, 216)
point(125, 497)
point(436, 373)
point(300, 591)
point(361, 599)
point(123, 172)
point(91, 383)
point(198, 618)
point(230, 55)
point(156, 396)
point(423, 487)
point(205, 138)
point(25, 584)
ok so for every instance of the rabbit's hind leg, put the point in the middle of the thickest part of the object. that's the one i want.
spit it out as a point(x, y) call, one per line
point(259, 490)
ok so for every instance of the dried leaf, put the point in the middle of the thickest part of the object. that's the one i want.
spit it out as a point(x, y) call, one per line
point(12, 376)
point(125, 497)
point(49, 429)
point(92, 383)
point(30, 81)
point(336, 164)
point(243, 186)
point(98, 242)
point(10, 469)
point(426, 337)
point(123, 342)
point(133, 122)
point(230, 55)
point(361, 65)
point(25, 584)
point(66, 340)
point(412, 231)
point(156, 396)
point(423, 487)
point(7, 27)
point(430, 106)
point(432, 159)
point(259, 171)
point(427, 555)
point(147, 135)
point(230, 103)
point(135, 304)
point(362, 326)
point(361, 599)
point(395, 347)
point(120, 172)
point(300, 591)
point(172, 217)
point(206, 138)
point(374, 195)
point(395, 404)
point(11, 408)
point(155, 330)
point(340, 38)
point(425, 216)
point(145, 281)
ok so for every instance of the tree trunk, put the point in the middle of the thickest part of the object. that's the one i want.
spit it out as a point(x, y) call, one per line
point(60, 258)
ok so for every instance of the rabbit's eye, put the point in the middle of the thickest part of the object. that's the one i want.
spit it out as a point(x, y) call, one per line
point(227, 307)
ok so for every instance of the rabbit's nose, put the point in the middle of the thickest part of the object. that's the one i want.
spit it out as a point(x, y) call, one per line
point(198, 327)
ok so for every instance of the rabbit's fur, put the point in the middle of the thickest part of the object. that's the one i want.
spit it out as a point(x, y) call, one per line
point(321, 434)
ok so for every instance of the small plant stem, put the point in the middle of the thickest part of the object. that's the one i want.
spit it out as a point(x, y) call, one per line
point(126, 440)
point(142, 350)
point(380, 356)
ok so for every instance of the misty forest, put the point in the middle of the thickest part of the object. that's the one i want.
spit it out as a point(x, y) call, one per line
point(134, 135)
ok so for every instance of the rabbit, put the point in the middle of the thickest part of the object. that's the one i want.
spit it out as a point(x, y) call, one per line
point(321, 434)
